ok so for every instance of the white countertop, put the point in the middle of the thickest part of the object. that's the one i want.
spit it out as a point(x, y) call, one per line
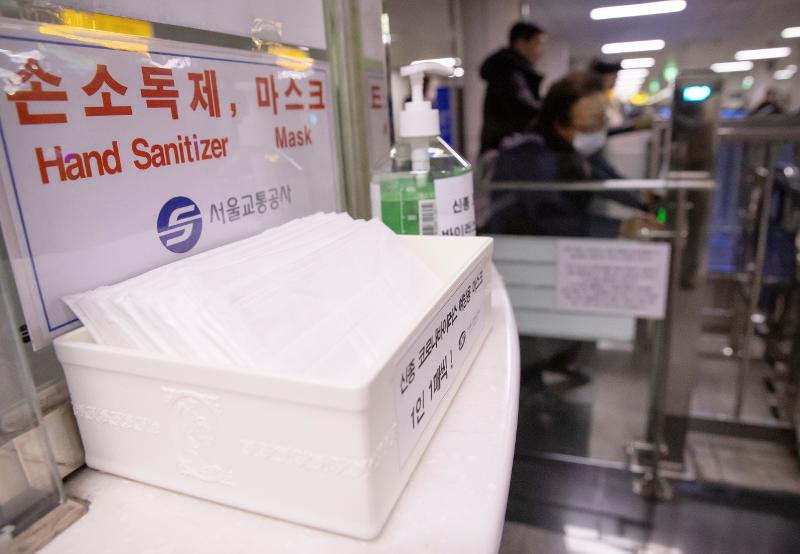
point(454, 502)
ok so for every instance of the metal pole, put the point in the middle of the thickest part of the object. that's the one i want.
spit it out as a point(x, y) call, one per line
point(651, 484)
point(766, 176)
point(343, 30)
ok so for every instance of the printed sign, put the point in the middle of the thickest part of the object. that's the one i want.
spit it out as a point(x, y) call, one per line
point(613, 277)
point(455, 206)
point(429, 368)
point(118, 161)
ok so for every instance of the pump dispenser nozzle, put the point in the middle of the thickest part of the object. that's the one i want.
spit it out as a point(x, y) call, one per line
point(418, 118)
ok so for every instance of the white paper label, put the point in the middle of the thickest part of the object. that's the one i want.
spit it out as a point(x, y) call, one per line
point(130, 160)
point(613, 277)
point(455, 209)
point(431, 365)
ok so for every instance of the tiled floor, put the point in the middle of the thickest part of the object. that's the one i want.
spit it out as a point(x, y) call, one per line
point(748, 463)
point(715, 382)
point(519, 538)
point(742, 500)
point(599, 419)
point(596, 420)
point(557, 507)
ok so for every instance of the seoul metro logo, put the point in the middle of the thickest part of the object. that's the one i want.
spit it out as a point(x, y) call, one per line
point(179, 224)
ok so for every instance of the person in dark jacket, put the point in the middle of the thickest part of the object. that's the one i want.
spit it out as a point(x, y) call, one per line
point(512, 98)
point(564, 145)
point(769, 106)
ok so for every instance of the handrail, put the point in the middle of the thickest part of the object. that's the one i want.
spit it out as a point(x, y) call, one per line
point(760, 133)
point(607, 185)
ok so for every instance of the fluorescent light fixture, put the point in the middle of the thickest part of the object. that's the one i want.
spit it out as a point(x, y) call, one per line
point(729, 67)
point(635, 10)
point(785, 73)
point(763, 53)
point(386, 34)
point(635, 46)
point(791, 32)
point(637, 72)
point(635, 63)
point(631, 79)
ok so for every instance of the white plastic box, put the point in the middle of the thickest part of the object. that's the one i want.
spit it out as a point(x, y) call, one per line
point(318, 453)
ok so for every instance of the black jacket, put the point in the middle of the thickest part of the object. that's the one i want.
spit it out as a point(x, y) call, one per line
point(512, 98)
point(537, 157)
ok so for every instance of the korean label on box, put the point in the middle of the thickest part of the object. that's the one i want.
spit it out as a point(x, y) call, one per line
point(427, 371)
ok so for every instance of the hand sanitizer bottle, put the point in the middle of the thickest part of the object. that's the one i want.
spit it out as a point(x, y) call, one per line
point(426, 187)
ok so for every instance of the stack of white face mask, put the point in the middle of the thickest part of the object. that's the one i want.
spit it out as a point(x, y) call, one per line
point(319, 295)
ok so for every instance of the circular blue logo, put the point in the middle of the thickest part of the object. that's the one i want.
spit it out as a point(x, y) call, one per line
point(179, 224)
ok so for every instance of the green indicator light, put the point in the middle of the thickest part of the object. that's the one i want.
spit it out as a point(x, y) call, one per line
point(670, 72)
point(661, 216)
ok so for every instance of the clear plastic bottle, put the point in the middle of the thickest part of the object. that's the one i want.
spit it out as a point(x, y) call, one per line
point(426, 187)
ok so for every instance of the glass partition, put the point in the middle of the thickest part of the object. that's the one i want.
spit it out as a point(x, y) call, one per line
point(30, 485)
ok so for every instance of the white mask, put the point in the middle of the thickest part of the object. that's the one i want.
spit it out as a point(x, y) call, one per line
point(589, 143)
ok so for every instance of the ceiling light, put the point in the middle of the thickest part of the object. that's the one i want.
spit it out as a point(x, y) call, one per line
point(791, 32)
point(633, 63)
point(636, 72)
point(386, 34)
point(785, 73)
point(763, 53)
point(629, 84)
point(635, 46)
point(634, 10)
point(631, 77)
point(729, 67)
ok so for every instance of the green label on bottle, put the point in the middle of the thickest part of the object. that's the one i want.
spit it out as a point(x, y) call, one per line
point(407, 204)
point(419, 205)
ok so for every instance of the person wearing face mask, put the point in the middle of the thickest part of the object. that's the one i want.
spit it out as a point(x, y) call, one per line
point(565, 144)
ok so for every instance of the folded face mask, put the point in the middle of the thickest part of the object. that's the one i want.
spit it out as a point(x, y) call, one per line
point(323, 296)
